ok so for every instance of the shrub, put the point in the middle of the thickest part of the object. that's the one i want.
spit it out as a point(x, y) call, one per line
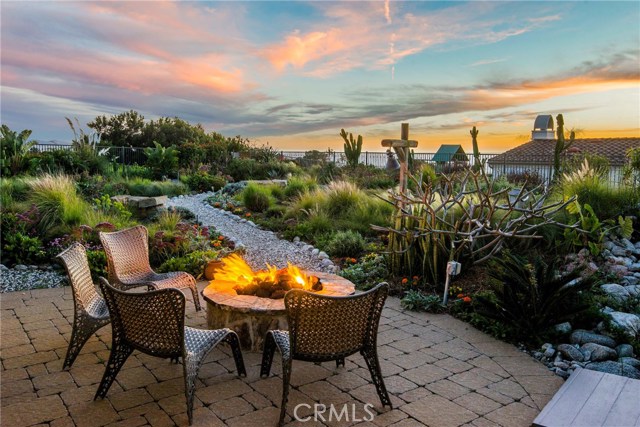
point(342, 197)
point(13, 150)
point(256, 198)
point(13, 190)
point(163, 161)
point(245, 169)
point(417, 301)
point(346, 244)
point(203, 182)
point(193, 263)
point(371, 270)
point(532, 297)
point(57, 201)
point(145, 187)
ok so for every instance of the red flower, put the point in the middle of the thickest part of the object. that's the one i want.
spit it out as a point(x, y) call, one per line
point(466, 299)
point(404, 280)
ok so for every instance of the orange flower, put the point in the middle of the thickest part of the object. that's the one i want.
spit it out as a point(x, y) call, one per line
point(220, 238)
point(216, 244)
point(248, 214)
point(353, 260)
point(415, 278)
point(460, 296)
point(404, 280)
point(466, 299)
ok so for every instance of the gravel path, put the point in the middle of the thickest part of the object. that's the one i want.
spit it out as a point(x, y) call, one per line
point(262, 246)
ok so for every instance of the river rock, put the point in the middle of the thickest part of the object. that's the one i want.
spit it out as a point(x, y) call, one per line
point(580, 336)
point(599, 352)
point(570, 352)
point(615, 292)
point(630, 361)
point(633, 290)
point(629, 323)
point(615, 368)
point(563, 328)
point(549, 352)
point(624, 350)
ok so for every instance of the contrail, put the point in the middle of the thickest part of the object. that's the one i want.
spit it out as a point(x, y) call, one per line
point(387, 11)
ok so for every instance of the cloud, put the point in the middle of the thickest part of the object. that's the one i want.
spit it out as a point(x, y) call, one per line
point(354, 37)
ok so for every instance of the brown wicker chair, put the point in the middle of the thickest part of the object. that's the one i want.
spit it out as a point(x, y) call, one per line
point(324, 328)
point(153, 323)
point(90, 311)
point(128, 263)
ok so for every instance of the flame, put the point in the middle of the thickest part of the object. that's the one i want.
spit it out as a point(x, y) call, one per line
point(237, 273)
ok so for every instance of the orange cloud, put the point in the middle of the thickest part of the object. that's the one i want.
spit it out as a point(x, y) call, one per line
point(297, 50)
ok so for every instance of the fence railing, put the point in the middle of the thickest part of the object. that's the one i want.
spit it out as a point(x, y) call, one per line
point(538, 168)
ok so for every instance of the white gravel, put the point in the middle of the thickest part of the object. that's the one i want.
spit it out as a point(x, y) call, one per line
point(23, 277)
point(261, 246)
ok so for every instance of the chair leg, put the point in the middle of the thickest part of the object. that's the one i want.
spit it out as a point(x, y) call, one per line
point(340, 361)
point(120, 351)
point(267, 355)
point(234, 343)
point(190, 368)
point(286, 380)
point(194, 292)
point(371, 357)
point(83, 328)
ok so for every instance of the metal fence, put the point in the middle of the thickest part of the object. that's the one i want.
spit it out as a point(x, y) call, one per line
point(514, 168)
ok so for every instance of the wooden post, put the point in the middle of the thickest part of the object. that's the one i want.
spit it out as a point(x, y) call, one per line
point(401, 147)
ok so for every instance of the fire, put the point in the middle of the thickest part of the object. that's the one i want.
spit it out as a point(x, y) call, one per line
point(270, 283)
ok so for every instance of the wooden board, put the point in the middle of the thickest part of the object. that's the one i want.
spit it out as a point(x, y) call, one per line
point(592, 398)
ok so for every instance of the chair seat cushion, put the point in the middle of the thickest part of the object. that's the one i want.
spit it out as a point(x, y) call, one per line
point(97, 308)
point(202, 340)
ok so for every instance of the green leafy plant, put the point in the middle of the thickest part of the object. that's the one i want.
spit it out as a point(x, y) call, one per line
point(532, 297)
point(417, 301)
point(203, 182)
point(352, 148)
point(346, 244)
point(561, 146)
point(14, 147)
point(368, 272)
point(163, 161)
point(193, 263)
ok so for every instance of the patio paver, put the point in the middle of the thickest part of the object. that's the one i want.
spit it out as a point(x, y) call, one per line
point(439, 371)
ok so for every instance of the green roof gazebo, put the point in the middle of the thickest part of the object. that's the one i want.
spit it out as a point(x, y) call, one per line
point(450, 153)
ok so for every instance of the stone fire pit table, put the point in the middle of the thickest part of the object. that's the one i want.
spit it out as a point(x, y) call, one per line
point(251, 316)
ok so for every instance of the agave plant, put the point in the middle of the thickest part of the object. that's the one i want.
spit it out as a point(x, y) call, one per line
point(532, 297)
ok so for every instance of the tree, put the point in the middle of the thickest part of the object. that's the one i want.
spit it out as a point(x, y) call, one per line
point(476, 151)
point(124, 129)
point(352, 148)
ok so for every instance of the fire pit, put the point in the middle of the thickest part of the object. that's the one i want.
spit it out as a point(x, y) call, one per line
point(251, 316)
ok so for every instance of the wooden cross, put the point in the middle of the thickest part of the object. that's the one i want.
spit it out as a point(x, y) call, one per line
point(401, 147)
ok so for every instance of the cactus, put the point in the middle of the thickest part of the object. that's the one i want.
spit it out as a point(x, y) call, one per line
point(561, 145)
point(476, 151)
point(352, 148)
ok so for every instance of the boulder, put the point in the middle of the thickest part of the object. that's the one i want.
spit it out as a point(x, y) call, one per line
point(630, 361)
point(629, 323)
point(598, 352)
point(624, 350)
point(563, 328)
point(633, 290)
point(615, 292)
point(580, 336)
point(570, 352)
point(615, 368)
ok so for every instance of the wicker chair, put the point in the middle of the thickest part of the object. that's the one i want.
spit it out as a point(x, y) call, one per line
point(324, 328)
point(128, 263)
point(153, 323)
point(90, 311)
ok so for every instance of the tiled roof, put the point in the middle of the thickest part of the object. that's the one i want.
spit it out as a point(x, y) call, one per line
point(540, 151)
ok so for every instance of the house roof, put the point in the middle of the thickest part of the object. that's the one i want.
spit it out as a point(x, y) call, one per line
point(447, 153)
point(540, 151)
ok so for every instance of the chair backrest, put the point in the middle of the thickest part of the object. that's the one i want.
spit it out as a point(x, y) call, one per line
point(76, 263)
point(151, 322)
point(324, 327)
point(127, 254)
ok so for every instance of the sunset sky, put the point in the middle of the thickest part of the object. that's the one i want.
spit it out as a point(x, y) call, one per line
point(292, 74)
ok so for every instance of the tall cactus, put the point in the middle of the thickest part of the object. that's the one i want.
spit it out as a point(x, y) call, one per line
point(352, 148)
point(561, 145)
point(476, 151)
